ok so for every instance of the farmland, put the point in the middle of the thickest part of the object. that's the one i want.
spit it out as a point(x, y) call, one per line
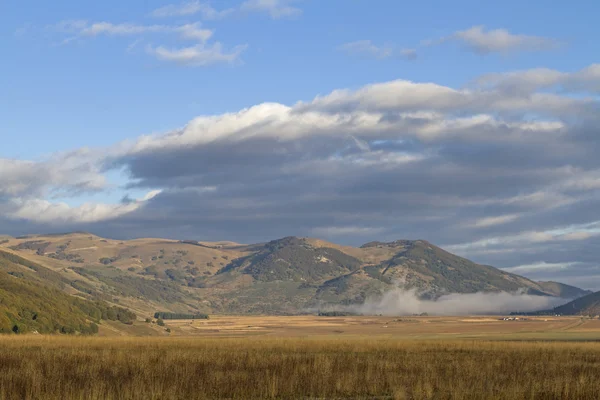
point(566, 328)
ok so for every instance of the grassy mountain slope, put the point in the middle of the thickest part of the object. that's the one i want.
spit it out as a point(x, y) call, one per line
point(420, 265)
point(431, 268)
point(288, 275)
point(144, 275)
point(294, 259)
point(31, 299)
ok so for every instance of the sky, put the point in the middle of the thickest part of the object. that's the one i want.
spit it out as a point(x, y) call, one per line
point(468, 124)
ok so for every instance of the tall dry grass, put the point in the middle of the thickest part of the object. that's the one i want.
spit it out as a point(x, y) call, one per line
point(172, 368)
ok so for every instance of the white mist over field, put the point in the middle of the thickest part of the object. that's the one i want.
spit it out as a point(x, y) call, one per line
point(407, 302)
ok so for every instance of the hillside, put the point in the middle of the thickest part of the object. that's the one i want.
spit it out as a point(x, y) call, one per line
point(565, 291)
point(430, 270)
point(424, 266)
point(586, 305)
point(285, 276)
point(30, 301)
point(294, 259)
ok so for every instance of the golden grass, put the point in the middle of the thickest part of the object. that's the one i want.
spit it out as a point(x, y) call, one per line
point(195, 368)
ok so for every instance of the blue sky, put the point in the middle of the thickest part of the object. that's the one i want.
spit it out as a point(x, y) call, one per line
point(470, 124)
point(94, 92)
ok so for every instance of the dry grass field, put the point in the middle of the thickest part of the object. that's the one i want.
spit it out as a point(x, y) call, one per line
point(311, 357)
point(289, 368)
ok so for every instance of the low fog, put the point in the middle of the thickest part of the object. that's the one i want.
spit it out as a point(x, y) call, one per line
point(407, 302)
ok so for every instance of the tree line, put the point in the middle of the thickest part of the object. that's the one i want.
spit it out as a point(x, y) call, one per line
point(170, 315)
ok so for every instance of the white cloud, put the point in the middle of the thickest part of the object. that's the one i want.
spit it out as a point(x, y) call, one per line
point(584, 80)
point(275, 8)
point(70, 172)
point(83, 28)
point(191, 8)
point(44, 211)
point(398, 109)
point(194, 32)
point(402, 95)
point(107, 28)
point(197, 56)
point(481, 41)
point(492, 221)
point(366, 48)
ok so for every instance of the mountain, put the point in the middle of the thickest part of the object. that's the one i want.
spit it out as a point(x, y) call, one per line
point(285, 276)
point(33, 299)
point(294, 259)
point(565, 291)
point(586, 305)
point(427, 267)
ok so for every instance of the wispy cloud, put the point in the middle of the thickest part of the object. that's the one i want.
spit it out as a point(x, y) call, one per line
point(197, 56)
point(492, 221)
point(194, 32)
point(107, 28)
point(200, 54)
point(274, 8)
point(191, 8)
point(82, 28)
point(482, 41)
point(366, 48)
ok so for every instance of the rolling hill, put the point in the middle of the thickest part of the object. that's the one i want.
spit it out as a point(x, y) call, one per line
point(286, 276)
point(33, 299)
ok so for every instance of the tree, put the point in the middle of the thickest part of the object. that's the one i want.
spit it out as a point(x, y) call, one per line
point(160, 322)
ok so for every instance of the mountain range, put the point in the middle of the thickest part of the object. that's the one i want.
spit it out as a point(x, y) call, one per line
point(291, 275)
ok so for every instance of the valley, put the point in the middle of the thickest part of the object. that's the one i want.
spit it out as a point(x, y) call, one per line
point(288, 276)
